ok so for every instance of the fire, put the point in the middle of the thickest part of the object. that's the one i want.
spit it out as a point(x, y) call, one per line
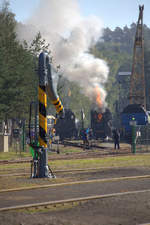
point(99, 116)
point(98, 97)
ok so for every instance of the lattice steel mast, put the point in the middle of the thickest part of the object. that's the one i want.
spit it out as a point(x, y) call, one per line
point(137, 85)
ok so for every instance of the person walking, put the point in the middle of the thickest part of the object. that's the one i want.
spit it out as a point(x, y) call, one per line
point(116, 138)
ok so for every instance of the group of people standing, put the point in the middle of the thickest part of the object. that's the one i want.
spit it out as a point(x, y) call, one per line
point(86, 135)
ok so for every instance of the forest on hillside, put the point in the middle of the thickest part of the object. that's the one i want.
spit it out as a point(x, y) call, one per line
point(19, 79)
point(116, 47)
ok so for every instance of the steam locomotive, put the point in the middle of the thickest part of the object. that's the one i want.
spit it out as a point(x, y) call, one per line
point(101, 123)
point(66, 127)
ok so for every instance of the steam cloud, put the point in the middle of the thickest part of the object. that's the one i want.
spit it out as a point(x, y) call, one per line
point(70, 36)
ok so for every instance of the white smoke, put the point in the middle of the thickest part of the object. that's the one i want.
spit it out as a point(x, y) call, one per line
point(70, 37)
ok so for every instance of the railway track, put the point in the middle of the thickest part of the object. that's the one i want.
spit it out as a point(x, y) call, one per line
point(92, 195)
point(103, 151)
point(72, 192)
point(85, 154)
point(103, 180)
point(71, 200)
point(57, 171)
point(80, 145)
point(68, 171)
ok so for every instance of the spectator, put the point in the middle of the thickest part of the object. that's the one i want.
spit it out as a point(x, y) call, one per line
point(116, 138)
point(84, 136)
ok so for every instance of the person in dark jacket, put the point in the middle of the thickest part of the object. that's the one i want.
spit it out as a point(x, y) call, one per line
point(116, 138)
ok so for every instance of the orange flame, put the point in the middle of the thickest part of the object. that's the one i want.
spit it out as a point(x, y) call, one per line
point(98, 97)
point(99, 116)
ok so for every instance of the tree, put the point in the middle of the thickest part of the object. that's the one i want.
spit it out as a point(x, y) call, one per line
point(17, 73)
point(117, 50)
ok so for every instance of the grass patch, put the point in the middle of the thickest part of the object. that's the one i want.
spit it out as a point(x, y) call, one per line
point(53, 208)
point(16, 166)
point(119, 161)
point(13, 155)
point(24, 181)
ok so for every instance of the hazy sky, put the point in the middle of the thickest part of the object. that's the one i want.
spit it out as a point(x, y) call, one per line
point(112, 13)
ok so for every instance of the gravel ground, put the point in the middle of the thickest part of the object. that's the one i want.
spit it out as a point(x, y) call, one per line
point(125, 210)
point(129, 209)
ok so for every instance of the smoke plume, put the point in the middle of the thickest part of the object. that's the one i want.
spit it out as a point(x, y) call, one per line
point(70, 36)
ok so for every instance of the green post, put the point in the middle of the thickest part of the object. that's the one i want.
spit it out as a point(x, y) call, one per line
point(133, 139)
point(133, 143)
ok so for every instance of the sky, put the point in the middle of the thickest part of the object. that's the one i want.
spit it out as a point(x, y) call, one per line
point(112, 13)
